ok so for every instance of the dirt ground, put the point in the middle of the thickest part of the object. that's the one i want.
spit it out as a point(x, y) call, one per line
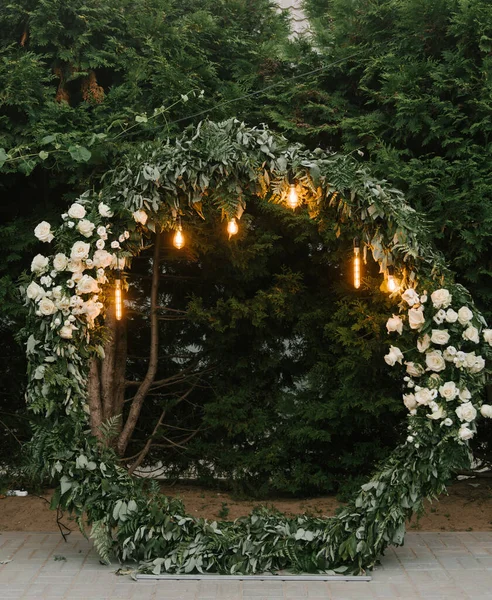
point(467, 507)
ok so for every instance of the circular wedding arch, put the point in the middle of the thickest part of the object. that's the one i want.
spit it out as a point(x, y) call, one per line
point(443, 347)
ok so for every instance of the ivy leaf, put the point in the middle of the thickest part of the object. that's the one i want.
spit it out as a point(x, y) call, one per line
point(79, 153)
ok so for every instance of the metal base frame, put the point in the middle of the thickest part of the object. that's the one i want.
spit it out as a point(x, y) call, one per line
point(353, 578)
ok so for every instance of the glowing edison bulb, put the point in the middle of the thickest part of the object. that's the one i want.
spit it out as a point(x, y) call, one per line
point(356, 268)
point(392, 285)
point(292, 198)
point(118, 300)
point(179, 240)
point(232, 227)
point(356, 263)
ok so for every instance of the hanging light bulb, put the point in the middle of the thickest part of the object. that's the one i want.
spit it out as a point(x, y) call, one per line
point(178, 239)
point(232, 227)
point(292, 197)
point(118, 297)
point(392, 285)
point(356, 263)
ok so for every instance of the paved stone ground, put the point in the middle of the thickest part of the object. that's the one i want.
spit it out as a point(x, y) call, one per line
point(430, 566)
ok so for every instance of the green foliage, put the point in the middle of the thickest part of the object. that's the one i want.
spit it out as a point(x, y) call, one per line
point(416, 99)
point(81, 81)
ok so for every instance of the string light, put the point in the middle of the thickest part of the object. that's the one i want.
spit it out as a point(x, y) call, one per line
point(392, 285)
point(356, 263)
point(179, 240)
point(292, 197)
point(232, 227)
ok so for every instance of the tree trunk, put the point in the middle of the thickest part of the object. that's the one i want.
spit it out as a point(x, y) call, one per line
point(144, 387)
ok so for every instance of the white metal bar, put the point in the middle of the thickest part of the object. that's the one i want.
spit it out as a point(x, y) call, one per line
point(257, 577)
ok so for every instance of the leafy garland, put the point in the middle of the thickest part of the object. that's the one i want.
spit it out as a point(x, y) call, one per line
point(443, 337)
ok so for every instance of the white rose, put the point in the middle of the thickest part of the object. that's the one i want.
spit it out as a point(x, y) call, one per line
point(115, 244)
point(63, 303)
point(487, 336)
point(80, 251)
point(66, 332)
point(440, 317)
point(70, 224)
point(435, 361)
point(70, 283)
point(140, 216)
point(46, 280)
point(34, 291)
point(394, 355)
point(85, 227)
point(464, 433)
point(449, 391)
point(105, 210)
point(92, 310)
point(60, 262)
point(76, 301)
point(448, 422)
point(441, 298)
point(88, 263)
point(451, 316)
point(39, 263)
point(416, 317)
point(394, 323)
point(100, 244)
point(459, 359)
point(126, 234)
point(102, 259)
point(101, 230)
point(122, 238)
point(440, 336)
point(466, 412)
point(47, 307)
point(449, 353)
point(411, 297)
point(101, 277)
point(414, 369)
point(486, 411)
point(465, 315)
point(43, 232)
point(471, 334)
point(423, 298)
point(409, 401)
point(87, 285)
point(465, 395)
point(478, 365)
point(76, 211)
point(437, 413)
point(423, 343)
point(424, 396)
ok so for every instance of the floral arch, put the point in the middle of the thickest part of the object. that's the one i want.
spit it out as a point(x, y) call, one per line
point(438, 340)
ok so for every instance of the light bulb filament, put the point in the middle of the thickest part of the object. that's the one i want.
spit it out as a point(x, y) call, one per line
point(232, 227)
point(356, 268)
point(178, 240)
point(292, 197)
point(118, 300)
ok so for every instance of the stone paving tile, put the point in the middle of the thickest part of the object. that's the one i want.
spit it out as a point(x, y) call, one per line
point(431, 566)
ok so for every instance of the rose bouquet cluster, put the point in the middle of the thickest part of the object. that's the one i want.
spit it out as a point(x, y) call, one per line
point(445, 371)
point(65, 287)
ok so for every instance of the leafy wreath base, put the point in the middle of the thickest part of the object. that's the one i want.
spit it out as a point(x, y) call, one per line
point(128, 516)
